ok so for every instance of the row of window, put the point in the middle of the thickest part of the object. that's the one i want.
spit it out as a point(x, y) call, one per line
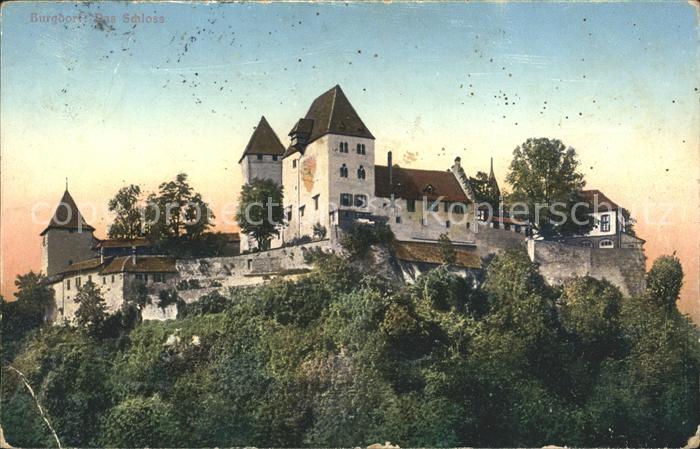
point(260, 157)
point(360, 148)
point(607, 243)
point(155, 277)
point(361, 172)
point(348, 199)
point(456, 208)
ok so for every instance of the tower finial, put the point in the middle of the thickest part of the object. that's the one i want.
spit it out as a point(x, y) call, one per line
point(66, 183)
point(491, 172)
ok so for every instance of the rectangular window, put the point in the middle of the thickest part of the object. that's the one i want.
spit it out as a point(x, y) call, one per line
point(346, 199)
point(398, 220)
point(158, 277)
point(605, 223)
point(274, 157)
point(411, 205)
point(360, 200)
point(288, 213)
point(447, 223)
point(104, 280)
point(316, 202)
point(434, 206)
point(78, 282)
point(250, 264)
point(112, 279)
point(294, 163)
point(68, 284)
point(458, 208)
point(89, 278)
point(260, 157)
point(447, 205)
point(301, 211)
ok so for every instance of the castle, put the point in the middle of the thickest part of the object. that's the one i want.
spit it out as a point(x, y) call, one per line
point(331, 181)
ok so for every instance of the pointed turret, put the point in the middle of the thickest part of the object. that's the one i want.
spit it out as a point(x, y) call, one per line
point(493, 184)
point(67, 216)
point(67, 239)
point(263, 141)
point(330, 113)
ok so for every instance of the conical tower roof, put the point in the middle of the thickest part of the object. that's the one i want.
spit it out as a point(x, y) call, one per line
point(263, 141)
point(67, 216)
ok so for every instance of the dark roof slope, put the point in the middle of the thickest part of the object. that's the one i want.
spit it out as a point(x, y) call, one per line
point(412, 184)
point(596, 196)
point(330, 113)
point(67, 216)
point(123, 243)
point(263, 141)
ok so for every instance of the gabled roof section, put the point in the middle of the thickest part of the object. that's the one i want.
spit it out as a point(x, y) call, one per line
point(263, 141)
point(413, 184)
point(67, 216)
point(332, 113)
point(595, 196)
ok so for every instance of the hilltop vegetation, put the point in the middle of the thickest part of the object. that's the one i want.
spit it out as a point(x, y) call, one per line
point(343, 358)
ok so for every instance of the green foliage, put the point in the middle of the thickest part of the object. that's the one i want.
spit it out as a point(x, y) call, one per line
point(664, 280)
point(177, 212)
point(260, 210)
point(319, 231)
point(484, 191)
point(340, 357)
point(33, 302)
point(544, 173)
point(91, 314)
point(128, 213)
point(449, 256)
point(141, 422)
point(358, 240)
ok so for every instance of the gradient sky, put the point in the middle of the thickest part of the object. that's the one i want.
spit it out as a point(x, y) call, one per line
point(123, 103)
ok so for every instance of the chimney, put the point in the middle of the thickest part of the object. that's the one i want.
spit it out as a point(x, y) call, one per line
point(391, 169)
point(458, 162)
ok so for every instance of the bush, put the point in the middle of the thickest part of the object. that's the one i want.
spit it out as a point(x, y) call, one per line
point(361, 237)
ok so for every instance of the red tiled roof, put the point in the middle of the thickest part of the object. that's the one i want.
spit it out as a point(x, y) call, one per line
point(144, 264)
point(413, 184)
point(67, 216)
point(122, 243)
point(85, 265)
point(594, 196)
point(432, 253)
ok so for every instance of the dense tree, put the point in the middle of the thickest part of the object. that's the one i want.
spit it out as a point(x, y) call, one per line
point(141, 422)
point(128, 213)
point(483, 189)
point(260, 213)
point(33, 303)
point(91, 314)
point(343, 357)
point(546, 182)
point(664, 281)
point(177, 211)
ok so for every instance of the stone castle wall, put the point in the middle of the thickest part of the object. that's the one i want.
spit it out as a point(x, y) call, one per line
point(624, 267)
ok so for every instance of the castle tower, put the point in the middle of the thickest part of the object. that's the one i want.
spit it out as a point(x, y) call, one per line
point(494, 190)
point(262, 157)
point(328, 168)
point(67, 239)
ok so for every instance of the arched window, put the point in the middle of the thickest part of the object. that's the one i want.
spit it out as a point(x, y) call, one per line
point(361, 172)
point(587, 244)
point(343, 171)
point(607, 243)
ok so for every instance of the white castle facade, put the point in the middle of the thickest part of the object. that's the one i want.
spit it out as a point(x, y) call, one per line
point(331, 181)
